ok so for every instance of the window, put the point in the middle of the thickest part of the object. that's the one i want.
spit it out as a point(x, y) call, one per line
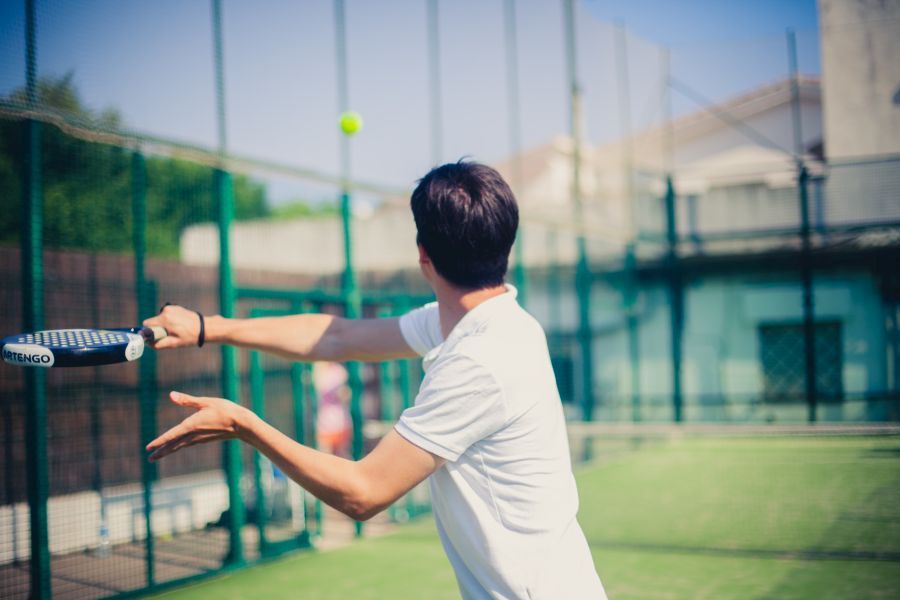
point(783, 362)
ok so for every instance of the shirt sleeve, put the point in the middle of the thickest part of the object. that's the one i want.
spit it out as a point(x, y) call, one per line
point(459, 404)
point(421, 328)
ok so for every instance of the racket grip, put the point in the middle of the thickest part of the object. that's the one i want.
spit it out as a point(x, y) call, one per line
point(158, 333)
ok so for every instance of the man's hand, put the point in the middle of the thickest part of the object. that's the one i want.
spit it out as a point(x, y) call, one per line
point(182, 324)
point(215, 419)
point(359, 489)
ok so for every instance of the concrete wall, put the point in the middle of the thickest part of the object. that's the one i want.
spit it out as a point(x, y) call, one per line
point(861, 76)
point(385, 242)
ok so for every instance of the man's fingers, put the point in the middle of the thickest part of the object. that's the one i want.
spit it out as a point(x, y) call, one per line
point(182, 399)
point(166, 342)
point(171, 446)
point(191, 439)
point(178, 431)
point(153, 322)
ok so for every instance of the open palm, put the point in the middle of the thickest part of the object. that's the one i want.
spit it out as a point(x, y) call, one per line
point(215, 419)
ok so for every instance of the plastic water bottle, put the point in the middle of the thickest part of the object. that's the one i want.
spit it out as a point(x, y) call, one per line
point(104, 548)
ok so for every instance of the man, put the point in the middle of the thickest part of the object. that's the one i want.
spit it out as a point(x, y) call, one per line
point(487, 425)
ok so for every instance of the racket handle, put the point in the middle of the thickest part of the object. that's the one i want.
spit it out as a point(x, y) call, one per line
point(158, 333)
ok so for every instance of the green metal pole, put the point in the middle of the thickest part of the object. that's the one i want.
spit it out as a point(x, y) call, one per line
point(352, 298)
point(583, 274)
point(585, 336)
point(388, 392)
point(631, 320)
point(145, 294)
point(796, 120)
point(231, 453)
point(219, 66)
point(313, 441)
point(35, 382)
point(352, 310)
point(149, 392)
point(299, 399)
point(403, 379)
point(386, 380)
point(257, 404)
point(404, 382)
point(297, 391)
point(230, 386)
point(630, 287)
point(809, 309)
point(33, 319)
point(554, 286)
point(806, 275)
point(676, 300)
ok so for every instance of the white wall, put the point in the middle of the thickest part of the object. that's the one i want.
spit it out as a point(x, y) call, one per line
point(861, 76)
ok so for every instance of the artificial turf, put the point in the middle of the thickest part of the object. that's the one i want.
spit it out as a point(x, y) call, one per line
point(762, 517)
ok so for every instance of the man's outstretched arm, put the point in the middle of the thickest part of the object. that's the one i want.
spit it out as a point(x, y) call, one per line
point(359, 489)
point(307, 337)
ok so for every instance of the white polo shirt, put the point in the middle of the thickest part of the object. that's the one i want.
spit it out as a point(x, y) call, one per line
point(505, 500)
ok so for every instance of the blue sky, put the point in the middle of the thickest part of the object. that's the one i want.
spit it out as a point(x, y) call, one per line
point(153, 62)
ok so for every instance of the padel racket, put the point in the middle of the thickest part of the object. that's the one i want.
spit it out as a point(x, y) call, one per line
point(78, 347)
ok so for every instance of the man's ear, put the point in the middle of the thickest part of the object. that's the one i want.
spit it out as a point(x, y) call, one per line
point(423, 256)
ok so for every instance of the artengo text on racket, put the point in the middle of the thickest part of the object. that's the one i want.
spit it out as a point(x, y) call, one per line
point(26, 358)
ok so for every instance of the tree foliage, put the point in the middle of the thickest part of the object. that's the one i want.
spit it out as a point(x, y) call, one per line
point(87, 186)
point(301, 209)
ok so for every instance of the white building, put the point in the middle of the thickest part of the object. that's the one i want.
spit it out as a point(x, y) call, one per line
point(861, 77)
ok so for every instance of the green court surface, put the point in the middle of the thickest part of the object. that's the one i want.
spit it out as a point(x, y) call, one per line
point(762, 517)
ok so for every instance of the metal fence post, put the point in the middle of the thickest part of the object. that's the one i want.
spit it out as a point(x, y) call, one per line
point(230, 388)
point(300, 401)
point(631, 320)
point(145, 294)
point(386, 387)
point(806, 277)
point(352, 299)
point(583, 276)
point(32, 244)
point(809, 312)
point(676, 300)
point(352, 310)
point(257, 404)
point(35, 382)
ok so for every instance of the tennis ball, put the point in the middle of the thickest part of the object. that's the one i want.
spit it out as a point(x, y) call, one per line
point(351, 122)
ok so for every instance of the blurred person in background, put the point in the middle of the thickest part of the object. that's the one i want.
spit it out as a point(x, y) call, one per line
point(333, 426)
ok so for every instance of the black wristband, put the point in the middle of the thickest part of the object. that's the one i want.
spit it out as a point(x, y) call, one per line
point(201, 339)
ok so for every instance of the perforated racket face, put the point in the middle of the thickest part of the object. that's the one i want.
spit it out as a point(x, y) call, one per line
point(73, 338)
point(72, 347)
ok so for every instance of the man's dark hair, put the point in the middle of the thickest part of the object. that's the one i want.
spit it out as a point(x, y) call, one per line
point(466, 217)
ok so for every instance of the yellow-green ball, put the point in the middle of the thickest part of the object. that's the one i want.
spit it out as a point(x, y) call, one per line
point(351, 122)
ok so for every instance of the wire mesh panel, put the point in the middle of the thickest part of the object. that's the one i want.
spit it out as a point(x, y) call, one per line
point(861, 192)
point(190, 493)
point(14, 511)
point(284, 514)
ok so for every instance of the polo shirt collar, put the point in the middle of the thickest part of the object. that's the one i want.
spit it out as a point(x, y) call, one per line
point(474, 319)
point(479, 315)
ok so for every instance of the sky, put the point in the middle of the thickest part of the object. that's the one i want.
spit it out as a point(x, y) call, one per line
point(153, 61)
